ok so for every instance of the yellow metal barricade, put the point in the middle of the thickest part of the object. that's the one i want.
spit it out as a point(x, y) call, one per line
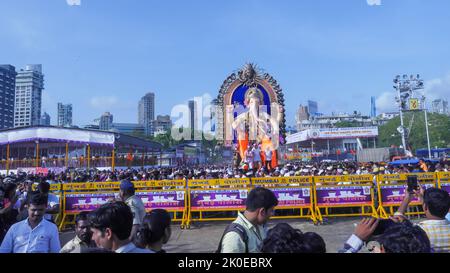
point(293, 193)
point(391, 191)
point(169, 195)
point(444, 181)
point(86, 196)
point(345, 193)
point(166, 194)
point(216, 195)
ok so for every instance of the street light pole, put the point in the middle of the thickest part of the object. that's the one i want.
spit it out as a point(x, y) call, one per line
point(402, 132)
point(426, 126)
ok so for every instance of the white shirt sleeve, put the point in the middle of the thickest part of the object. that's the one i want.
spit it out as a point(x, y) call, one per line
point(55, 245)
point(8, 242)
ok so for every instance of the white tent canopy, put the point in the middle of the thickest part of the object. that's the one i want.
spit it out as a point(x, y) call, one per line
point(55, 134)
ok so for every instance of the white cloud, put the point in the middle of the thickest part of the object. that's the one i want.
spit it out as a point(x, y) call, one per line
point(73, 2)
point(438, 88)
point(386, 102)
point(374, 2)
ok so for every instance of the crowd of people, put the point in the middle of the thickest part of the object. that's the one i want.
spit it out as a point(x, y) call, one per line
point(225, 171)
point(123, 226)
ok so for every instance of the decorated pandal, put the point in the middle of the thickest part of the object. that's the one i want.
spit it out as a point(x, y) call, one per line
point(253, 113)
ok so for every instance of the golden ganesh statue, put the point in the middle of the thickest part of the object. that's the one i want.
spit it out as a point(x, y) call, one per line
point(256, 126)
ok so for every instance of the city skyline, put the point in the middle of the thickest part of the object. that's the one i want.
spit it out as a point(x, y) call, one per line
point(314, 43)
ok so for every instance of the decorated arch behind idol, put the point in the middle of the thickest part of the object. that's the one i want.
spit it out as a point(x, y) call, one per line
point(252, 112)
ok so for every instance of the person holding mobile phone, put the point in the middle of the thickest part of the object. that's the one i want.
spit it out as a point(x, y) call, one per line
point(436, 205)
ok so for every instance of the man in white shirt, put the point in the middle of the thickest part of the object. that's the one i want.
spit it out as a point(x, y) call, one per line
point(111, 226)
point(34, 234)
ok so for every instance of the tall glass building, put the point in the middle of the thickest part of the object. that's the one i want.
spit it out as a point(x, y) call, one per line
point(7, 94)
point(146, 112)
point(29, 86)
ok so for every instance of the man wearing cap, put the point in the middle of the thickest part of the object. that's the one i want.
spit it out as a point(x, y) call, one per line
point(135, 203)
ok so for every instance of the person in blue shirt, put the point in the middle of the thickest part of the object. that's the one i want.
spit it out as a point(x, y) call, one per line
point(34, 234)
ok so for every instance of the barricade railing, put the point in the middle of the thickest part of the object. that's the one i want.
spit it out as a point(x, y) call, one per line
point(444, 181)
point(165, 194)
point(293, 193)
point(215, 195)
point(392, 188)
point(347, 195)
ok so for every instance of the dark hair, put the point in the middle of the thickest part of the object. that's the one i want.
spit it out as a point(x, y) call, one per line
point(285, 239)
point(260, 198)
point(82, 216)
point(405, 238)
point(314, 243)
point(38, 199)
point(117, 216)
point(43, 187)
point(437, 201)
point(153, 227)
point(8, 188)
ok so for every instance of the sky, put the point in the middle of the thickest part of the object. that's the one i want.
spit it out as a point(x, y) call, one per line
point(104, 55)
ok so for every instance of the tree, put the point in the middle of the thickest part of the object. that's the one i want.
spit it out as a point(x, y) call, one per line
point(439, 128)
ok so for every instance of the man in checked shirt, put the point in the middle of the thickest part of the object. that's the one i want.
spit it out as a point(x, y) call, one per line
point(436, 205)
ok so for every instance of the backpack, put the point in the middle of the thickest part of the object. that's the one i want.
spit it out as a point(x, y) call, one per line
point(239, 229)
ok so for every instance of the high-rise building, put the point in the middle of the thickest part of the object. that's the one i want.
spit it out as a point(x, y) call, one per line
point(302, 115)
point(161, 125)
point(128, 128)
point(313, 108)
point(45, 119)
point(373, 107)
point(7, 95)
point(193, 123)
point(64, 115)
point(29, 86)
point(440, 106)
point(146, 112)
point(106, 121)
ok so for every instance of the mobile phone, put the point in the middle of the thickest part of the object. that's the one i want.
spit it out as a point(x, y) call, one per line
point(412, 183)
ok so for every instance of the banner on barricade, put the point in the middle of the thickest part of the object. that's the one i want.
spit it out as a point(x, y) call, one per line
point(403, 176)
point(352, 195)
point(218, 199)
point(218, 182)
point(78, 202)
point(363, 178)
point(293, 197)
point(445, 187)
point(282, 180)
point(92, 186)
point(168, 200)
point(394, 194)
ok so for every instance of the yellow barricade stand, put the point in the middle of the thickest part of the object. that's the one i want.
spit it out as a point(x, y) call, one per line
point(86, 196)
point(166, 194)
point(391, 191)
point(293, 193)
point(216, 195)
point(444, 181)
point(347, 191)
point(169, 195)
